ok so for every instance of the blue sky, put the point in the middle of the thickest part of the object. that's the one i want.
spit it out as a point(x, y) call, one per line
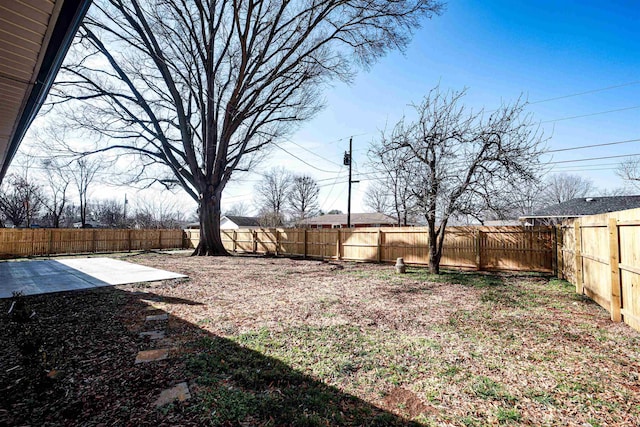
point(499, 50)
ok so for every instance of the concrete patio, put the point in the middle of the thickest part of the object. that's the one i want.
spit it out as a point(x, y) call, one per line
point(47, 276)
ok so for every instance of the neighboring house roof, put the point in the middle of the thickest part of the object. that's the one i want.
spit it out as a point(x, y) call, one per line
point(502, 222)
point(587, 206)
point(242, 221)
point(356, 218)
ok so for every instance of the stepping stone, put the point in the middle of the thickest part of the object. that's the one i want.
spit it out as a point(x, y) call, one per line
point(153, 317)
point(179, 392)
point(154, 335)
point(152, 355)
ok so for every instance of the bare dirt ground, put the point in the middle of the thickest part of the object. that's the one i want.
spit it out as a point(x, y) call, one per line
point(271, 341)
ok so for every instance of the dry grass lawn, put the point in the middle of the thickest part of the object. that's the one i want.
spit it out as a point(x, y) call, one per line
point(274, 341)
point(459, 349)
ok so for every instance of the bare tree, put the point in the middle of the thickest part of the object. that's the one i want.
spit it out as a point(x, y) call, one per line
point(57, 180)
point(517, 198)
point(158, 212)
point(195, 89)
point(460, 159)
point(303, 198)
point(377, 198)
point(20, 200)
point(83, 172)
point(395, 174)
point(238, 209)
point(563, 187)
point(109, 213)
point(629, 170)
point(272, 195)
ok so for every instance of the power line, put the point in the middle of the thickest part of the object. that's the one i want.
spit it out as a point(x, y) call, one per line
point(303, 161)
point(591, 114)
point(332, 187)
point(585, 92)
point(591, 146)
point(314, 153)
point(593, 158)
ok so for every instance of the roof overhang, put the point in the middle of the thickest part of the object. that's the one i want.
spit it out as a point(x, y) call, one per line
point(35, 36)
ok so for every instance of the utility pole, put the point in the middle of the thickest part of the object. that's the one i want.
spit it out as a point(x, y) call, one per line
point(124, 214)
point(348, 162)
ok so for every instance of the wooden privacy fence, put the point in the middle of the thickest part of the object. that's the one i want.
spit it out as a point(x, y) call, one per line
point(600, 254)
point(480, 248)
point(50, 241)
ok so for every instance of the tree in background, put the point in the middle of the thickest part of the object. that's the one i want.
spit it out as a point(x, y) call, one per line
point(238, 209)
point(460, 159)
point(629, 170)
point(303, 198)
point(272, 196)
point(84, 172)
point(158, 212)
point(376, 198)
point(109, 213)
point(20, 200)
point(395, 175)
point(562, 187)
point(192, 91)
point(57, 180)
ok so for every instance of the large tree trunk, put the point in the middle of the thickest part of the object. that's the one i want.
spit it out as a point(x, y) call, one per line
point(210, 239)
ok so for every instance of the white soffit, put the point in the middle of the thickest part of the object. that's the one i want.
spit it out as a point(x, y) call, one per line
point(25, 28)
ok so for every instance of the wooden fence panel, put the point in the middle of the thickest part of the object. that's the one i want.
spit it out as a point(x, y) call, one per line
point(292, 241)
point(321, 243)
point(359, 244)
point(412, 244)
point(52, 241)
point(606, 265)
point(503, 248)
point(595, 263)
point(568, 267)
point(460, 248)
point(515, 248)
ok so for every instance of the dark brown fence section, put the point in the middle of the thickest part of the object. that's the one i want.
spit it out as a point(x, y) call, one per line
point(52, 241)
point(480, 248)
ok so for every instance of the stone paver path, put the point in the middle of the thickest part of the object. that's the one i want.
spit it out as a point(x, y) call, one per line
point(179, 392)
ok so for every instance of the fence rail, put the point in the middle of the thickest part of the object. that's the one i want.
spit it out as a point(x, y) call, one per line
point(480, 248)
point(50, 241)
point(600, 254)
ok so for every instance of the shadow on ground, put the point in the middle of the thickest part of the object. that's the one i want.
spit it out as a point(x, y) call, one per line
point(68, 358)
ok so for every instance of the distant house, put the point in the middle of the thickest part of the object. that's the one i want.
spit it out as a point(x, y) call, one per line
point(231, 222)
point(576, 208)
point(357, 220)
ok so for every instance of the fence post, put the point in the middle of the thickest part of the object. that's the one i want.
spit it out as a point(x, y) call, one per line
point(379, 253)
point(304, 250)
point(559, 251)
point(277, 241)
point(50, 241)
point(254, 243)
point(129, 240)
point(614, 263)
point(478, 248)
point(554, 250)
point(578, 257)
point(338, 246)
point(160, 239)
point(93, 241)
point(234, 241)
